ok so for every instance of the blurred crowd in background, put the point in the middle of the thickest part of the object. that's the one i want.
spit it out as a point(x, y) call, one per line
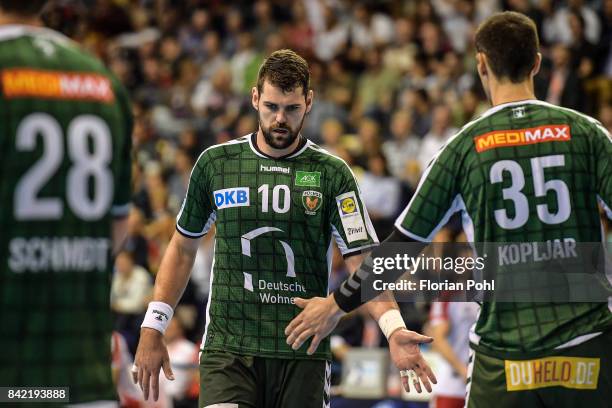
point(393, 80)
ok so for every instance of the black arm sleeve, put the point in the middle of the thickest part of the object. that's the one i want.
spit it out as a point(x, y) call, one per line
point(349, 295)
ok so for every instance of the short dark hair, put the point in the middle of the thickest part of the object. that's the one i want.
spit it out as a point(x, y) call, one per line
point(286, 70)
point(22, 7)
point(510, 42)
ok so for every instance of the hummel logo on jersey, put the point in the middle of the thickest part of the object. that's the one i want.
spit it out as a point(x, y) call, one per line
point(232, 197)
point(520, 137)
point(519, 112)
point(45, 46)
point(275, 169)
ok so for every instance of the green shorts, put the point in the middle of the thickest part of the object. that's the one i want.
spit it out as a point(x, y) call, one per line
point(579, 376)
point(236, 381)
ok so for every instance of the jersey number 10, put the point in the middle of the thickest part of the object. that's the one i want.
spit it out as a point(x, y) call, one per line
point(277, 206)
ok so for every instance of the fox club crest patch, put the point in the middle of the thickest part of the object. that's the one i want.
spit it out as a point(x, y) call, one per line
point(312, 201)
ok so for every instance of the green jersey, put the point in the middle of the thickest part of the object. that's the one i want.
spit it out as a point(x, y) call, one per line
point(522, 172)
point(275, 219)
point(64, 160)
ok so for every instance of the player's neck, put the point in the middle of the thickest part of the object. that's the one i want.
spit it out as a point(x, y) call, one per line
point(506, 92)
point(272, 152)
point(16, 19)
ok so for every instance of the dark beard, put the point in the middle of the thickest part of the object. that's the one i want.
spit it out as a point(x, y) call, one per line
point(280, 141)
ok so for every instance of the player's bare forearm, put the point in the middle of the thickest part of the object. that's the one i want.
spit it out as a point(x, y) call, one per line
point(175, 269)
point(353, 262)
point(170, 283)
point(381, 304)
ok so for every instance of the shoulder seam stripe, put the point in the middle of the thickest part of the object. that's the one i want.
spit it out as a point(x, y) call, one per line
point(325, 152)
point(229, 143)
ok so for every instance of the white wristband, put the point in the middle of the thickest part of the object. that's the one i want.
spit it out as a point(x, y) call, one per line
point(390, 321)
point(158, 316)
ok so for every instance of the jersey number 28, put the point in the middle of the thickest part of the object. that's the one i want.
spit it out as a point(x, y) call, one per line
point(85, 165)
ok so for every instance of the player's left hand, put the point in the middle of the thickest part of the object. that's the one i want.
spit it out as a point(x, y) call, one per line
point(406, 355)
point(319, 317)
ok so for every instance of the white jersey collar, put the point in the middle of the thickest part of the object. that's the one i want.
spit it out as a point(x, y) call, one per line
point(501, 106)
point(12, 31)
point(259, 153)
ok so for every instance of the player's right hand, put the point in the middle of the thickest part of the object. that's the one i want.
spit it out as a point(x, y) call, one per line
point(151, 355)
point(319, 317)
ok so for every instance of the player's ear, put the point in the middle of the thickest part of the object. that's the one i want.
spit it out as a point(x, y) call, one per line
point(481, 64)
point(309, 99)
point(537, 65)
point(255, 98)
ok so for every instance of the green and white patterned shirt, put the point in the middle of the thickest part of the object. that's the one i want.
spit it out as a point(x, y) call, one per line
point(275, 221)
point(522, 172)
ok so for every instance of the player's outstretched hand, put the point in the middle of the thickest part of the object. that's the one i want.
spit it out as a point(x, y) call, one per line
point(318, 319)
point(151, 355)
point(406, 355)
